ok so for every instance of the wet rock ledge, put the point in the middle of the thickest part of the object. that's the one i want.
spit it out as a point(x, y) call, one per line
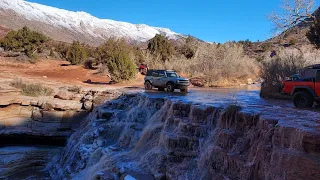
point(33, 129)
point(140, 137)
point(48, 116)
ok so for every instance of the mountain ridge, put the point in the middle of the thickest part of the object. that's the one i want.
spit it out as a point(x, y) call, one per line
point(64, 25)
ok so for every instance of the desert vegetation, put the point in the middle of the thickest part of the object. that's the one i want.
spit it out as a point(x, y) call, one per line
point(119, 59)
point(76, 53)
point(24, 40)
point(31, 89)
point(214, 64)
point(160, 46)
point(217, 65)
point(314, 32)
point(289, 61)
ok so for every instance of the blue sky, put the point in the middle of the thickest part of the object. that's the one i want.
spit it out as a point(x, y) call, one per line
point(209, 20)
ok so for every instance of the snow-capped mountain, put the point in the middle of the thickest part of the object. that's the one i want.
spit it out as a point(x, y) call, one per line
point(66, 25)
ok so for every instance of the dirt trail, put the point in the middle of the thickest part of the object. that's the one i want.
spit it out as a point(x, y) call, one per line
point(58, 72)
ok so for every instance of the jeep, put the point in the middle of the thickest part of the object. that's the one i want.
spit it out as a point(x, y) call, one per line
point(162, 79)
point(304, 88)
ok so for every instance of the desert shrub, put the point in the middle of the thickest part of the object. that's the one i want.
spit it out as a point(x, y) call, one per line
point(160, 45)
point(246, 43)
point(76, 53)
point(275, 70)
point(61, 48)
point(103, 70)
point(24, 40)
point(116, 54)
point(187, 51)
point(266, 46)
point(51, 53)
point(218, 65)
point(121, 67)
point(106, 50)
point(31, 89)
point(293, 41)
point(75, 89)
point(138, 55)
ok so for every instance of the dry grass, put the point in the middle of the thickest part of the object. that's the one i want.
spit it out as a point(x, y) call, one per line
point(31, 89)
point(218, 65)
point(75, 89)
point(289, 61)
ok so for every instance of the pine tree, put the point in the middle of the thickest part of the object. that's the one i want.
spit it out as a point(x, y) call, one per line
point(160, 45)
point(76, 54)
point(314, 33)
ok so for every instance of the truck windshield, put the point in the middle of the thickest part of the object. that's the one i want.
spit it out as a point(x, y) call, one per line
point(172, 74)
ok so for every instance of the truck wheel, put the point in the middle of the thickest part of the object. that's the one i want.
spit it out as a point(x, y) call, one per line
point(147, 85)
point(160, 89)
point(302, 100)
point(170, 87)
point(184, 90)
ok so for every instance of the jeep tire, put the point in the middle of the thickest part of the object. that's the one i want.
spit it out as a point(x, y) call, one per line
point(302, 100)
point(184, 90)
point(147, 85)
point(170, 87)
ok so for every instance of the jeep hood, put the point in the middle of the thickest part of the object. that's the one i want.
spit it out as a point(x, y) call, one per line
point(183, 79)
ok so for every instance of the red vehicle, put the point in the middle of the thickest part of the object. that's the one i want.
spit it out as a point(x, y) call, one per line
point(305, 89)
point(143, 68)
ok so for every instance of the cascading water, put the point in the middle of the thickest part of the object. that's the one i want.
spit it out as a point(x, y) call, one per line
point(155, 138)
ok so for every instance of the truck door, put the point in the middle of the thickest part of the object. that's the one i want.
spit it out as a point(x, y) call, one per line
point(155, 78)
point(317, 85)
point(162, 79)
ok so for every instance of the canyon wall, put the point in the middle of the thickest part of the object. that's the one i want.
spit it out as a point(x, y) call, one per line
point(136, 136)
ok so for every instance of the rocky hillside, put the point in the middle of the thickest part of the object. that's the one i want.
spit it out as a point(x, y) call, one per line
point(294, 37)
point(67, 26)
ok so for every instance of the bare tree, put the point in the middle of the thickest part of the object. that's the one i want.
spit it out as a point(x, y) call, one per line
point(292, 13)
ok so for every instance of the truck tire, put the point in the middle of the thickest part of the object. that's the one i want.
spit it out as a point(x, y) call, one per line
point(303, 100)
point(170, 87)
point(147, 85)
point(184, 90)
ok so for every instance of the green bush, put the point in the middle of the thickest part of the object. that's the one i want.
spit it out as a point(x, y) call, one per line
point(160, 45)
point(121, 66)
point(76, 53)
point(116, 55)
point(24, 40)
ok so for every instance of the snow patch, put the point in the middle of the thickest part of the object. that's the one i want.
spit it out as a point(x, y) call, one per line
point(83, 22)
